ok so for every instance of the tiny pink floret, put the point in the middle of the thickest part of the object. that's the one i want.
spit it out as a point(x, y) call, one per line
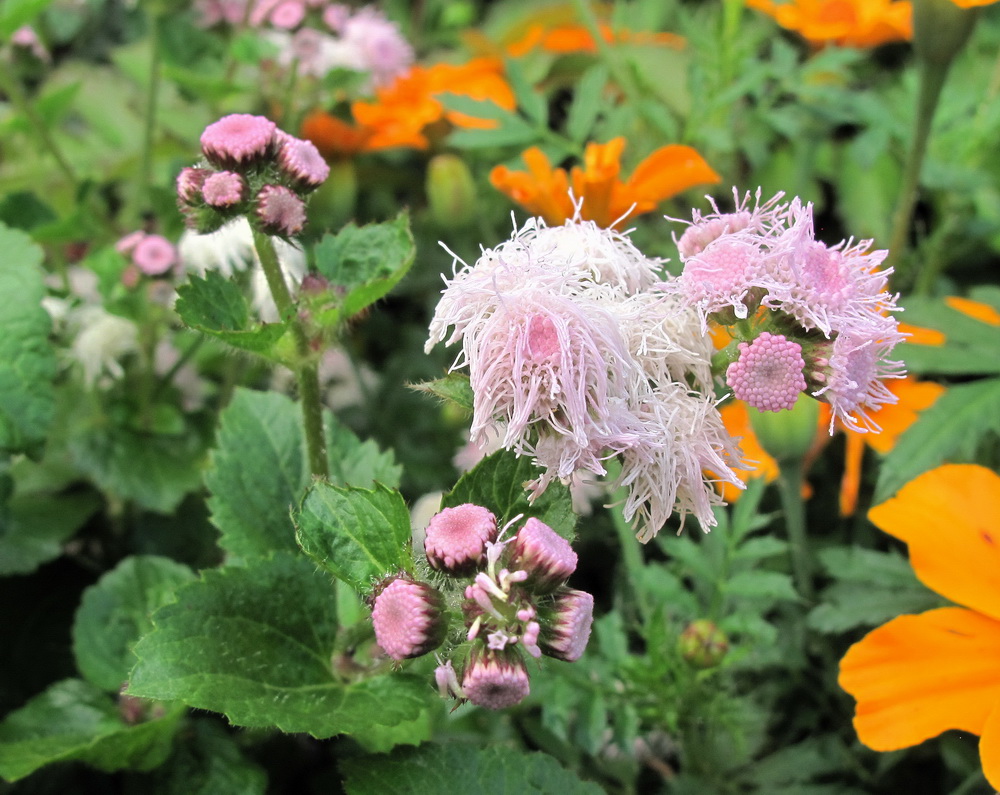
point(496, 680)
point(238, 140)
point(224, 189)
point(544, 554)
point(769, 373)
point(154, 255)
point(457, 537)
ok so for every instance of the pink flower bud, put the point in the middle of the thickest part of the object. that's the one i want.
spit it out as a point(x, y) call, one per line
point(566, 625)
point(495, 679)
point(154, 255)
point(409, 618)
point(544, 554)
point(768, 374)
point(280, 211)
point(457, 537)
point(224, 189)
point(189, 185)
point(238, 140)
point(302, 163)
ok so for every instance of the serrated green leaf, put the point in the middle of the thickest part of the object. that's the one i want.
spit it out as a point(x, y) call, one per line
point(454, 388)
point(366, 261)
point(588, 99)
point(771, 586)
point(356, 534)
point(512, 133)
point(255, 644)
point(382, 739)
point(73, 720)
point(477, 108)
point(846, 606)
point(116, 611)
point(528, 99)
point(497, 482)
point(36, 527)
point(208, 762)
point(258, 470)
point(27, 360)
point(952, 427)
point(970, 345)
point(216, 305)
point(434, 769)
point(15, 13)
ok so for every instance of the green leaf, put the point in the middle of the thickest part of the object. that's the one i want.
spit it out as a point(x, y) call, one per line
point(255, 644)
point(513, 133)
point(950, 429)
point(215, 305)
point(454, 388)
point(73, 720)
point(27, 360)
point(382, 739)
point(116, 611)
point(208, 762)
point(367, 262)
point(498, 483)
point(357, 535)
point(258, 470)
point(36, 526)
point(433, 769)
point(770, 586)
point(588, 99)
point(15, 13)
point(970, 345)
point(528, 99)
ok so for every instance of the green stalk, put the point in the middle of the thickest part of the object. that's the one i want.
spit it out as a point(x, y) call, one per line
point(152, 103)
point(790, 488)
point(306, 369)
point(12, 88)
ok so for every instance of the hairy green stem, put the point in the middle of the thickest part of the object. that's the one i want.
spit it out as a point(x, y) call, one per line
point(790, 488)
point(306, 369)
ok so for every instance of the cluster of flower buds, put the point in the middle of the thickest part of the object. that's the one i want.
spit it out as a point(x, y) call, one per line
point(805, 317)
point(251, 169)
point(512, 597)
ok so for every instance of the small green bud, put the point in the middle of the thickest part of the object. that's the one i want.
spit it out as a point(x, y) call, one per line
point(451, 191)
point(703, 644)
point(940, 30)
point(787, 435)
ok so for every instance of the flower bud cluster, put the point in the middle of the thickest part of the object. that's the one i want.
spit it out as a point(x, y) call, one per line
point(511, 595)
point(252, 169)
point(806, 317)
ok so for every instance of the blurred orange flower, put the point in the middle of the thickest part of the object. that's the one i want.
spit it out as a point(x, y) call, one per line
point(973, 3)
point(849, 23)
point(404, 109)
point(607, 200)
point(564, 39)
point(334, 137)
point(920, 675)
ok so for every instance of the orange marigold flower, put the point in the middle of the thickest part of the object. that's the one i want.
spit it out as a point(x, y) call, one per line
point(334, 137)
point(607, 200)
point(849, 23)
point(977, 310)
point(404, 109)
point(920, 675)
point(564, 39)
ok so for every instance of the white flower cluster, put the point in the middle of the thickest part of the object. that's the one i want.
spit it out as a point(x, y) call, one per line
point(575, 358)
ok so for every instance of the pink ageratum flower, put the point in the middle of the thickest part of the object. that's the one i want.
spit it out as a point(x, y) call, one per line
point(128, 243)
point(495, 679)
point(224, 189)
point(385, 52)
point(154, 255)
point(335, 16)
point(302, 162)
point(545, 555)
point(238, 140)
point(409, 618)
point(567, 624)
point(704, 229)
point(280, 211)
point(769, 373)
point(456, 538)
point(288, 14)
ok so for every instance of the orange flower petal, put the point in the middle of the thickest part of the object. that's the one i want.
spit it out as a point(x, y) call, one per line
point(950, 519)
point(922, 336)
point(668, 171)
point(989, 748)
point(974, 4)
point(850, 484)
point(974, 309)
point(895, 418)
point(918, 676)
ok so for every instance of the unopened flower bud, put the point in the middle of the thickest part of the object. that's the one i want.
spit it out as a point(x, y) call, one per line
point(239, 141)
point(451, 191)
point(409, 618)
point(154, 255)
point(302, 163)
point(768, 375)
point(566, 624)
point(703, 644)
point(545, 555)
point(189, 184)
point(224, 189)
point(788, 435)
point(456, 538)
point(495, 679)
point(279, 211)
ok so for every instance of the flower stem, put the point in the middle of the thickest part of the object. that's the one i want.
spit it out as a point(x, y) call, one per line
point(152, 101)
point(790, 488)
point(306, 369)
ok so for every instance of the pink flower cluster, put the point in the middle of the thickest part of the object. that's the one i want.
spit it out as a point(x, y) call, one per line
point(320, 36)
point(252, 169)
point(154, 255)
point(513, 601)
point(808, 317)
point(575, 357)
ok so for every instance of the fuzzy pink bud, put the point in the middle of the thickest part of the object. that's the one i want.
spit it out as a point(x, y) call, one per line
point(566, 625)
point(409, 618)
point(224, 189)
point(768, 374)
point(496, 679)
point(280, 211)
point(544, 554)
point(238, 140)
point(302, 163)
point(457, 537)
point(154, 255)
